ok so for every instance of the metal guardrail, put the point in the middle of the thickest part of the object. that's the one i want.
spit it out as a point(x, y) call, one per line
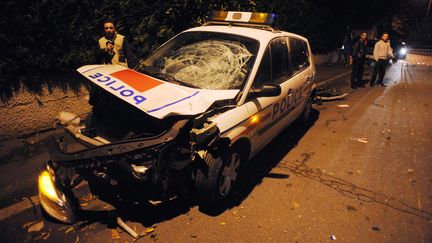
point(419, 56)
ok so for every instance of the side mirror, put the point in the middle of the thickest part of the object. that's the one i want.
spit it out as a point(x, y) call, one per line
point(267, 90)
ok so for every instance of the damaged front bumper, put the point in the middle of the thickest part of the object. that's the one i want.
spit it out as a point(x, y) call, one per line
point(160, 165)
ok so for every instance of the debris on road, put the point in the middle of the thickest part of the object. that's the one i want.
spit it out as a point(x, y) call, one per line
point(362, 140)
point(343, 106)
point(329, 95)
point(43, 236)
point(410, 171)
point(70, 229)
point(34, 226)
point(376, 228)
point(295, 205)
point(115, 234)
point(332, 237)
point(351, 208)
point(222, 223)
point(149, 230)
point(124, 226)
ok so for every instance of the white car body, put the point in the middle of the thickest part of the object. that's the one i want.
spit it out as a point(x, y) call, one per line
point(196, 111)
point(165, 99)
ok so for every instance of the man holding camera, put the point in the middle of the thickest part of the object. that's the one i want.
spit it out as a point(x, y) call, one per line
point(114, 48)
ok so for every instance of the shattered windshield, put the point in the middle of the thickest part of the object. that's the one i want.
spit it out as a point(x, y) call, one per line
point(206, 60)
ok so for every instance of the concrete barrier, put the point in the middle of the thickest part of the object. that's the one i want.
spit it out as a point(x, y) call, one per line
point(28, 112)
point(419, 56)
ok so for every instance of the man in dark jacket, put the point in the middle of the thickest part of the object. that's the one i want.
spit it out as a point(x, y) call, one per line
point(358, 58)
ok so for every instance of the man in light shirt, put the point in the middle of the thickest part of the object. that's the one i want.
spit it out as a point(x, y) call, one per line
point(382, 52)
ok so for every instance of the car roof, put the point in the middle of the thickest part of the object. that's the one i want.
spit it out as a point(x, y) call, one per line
point(262, 35)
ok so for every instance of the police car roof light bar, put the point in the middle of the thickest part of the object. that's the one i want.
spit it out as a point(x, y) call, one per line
point(242, 17)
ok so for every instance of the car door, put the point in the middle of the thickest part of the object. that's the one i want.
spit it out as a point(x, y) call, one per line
point(275, 68)
point(302, 74)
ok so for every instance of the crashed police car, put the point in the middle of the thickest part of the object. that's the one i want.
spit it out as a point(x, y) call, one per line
point(188, 119)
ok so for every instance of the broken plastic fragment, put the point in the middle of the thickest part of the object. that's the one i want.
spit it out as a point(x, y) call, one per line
point(36, 226)
point(332, 237)
point(343, 106)
point(362, 140)
point(70, 229)
point(124, 226)
point(149, 230)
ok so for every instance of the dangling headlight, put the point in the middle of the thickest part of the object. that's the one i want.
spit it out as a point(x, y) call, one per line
point(53, 201)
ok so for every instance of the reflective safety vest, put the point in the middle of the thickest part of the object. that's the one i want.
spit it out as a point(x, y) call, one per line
point(119, 55)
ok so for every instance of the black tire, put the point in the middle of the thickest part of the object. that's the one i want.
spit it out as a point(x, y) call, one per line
point(214, 184)
point(305, 116)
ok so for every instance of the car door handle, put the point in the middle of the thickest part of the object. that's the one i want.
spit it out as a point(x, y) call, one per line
point(290, 91)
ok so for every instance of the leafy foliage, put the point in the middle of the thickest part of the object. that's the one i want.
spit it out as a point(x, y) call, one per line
point(57, 36)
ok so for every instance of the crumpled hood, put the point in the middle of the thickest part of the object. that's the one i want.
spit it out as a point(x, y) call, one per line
point(155, 97)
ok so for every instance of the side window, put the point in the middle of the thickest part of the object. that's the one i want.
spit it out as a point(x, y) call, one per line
point(299, 55)
point(264, 71)
point(280, 60)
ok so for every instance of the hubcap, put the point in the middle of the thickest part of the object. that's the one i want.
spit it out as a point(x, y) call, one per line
point(229, 174)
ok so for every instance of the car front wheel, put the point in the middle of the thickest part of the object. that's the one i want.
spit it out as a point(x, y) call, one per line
point(215, 183)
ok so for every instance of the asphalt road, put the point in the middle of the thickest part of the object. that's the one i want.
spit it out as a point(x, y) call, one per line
point(361, 171)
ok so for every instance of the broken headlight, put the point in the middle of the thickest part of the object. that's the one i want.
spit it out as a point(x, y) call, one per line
point(54, 201)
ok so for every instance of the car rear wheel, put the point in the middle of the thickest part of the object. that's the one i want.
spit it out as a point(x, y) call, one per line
point(215, 183)
point(307, 110)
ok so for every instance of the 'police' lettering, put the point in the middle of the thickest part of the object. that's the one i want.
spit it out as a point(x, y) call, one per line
point(109, 83)
point(96, 75)
point(283, 105)
point(139, 99)
point(127, 92)
point(288, 103)
point(275, 109)
point(106, 79)
point(118, 88)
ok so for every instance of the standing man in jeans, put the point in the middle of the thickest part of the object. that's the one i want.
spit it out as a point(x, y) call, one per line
point(358, 59)
point(382, 52)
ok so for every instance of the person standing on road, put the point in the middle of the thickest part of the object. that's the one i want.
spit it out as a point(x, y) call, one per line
point(114, 48)
point(357, 60)
point(382, 52)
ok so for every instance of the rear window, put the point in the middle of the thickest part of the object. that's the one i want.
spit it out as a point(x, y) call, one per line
point(299, 55)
